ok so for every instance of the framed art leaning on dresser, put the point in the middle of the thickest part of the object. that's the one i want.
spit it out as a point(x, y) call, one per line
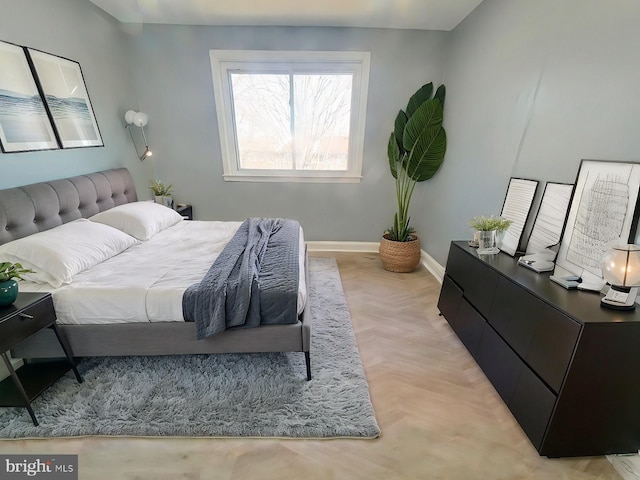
point(516, 207)
point(602, 214)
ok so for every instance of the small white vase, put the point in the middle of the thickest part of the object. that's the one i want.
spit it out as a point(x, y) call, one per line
point(487, 242)
point(165, 200)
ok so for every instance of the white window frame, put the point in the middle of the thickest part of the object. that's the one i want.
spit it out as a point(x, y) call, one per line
point(224, 62)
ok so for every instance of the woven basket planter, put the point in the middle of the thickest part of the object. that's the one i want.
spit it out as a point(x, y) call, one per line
point(401, 257)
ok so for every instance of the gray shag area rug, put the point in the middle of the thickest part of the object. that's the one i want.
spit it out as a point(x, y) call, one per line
point(226, 395)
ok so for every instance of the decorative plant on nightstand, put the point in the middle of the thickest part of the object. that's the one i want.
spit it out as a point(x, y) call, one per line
point(416, 150)
point(162, 193)
point(8, 286)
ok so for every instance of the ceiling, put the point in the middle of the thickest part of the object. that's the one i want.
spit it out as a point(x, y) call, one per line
point(409, 14)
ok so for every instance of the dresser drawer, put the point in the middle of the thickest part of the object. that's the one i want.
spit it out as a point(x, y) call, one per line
point(449, 300)
point(477, 280)
point(531, 402)
point(543, 336)
point(24, 323)
point(532, 405)
point(469, 325)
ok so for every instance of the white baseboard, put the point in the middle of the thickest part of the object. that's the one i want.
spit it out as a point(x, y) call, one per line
point(434, 267)
point(330, 246)
point(426, 260)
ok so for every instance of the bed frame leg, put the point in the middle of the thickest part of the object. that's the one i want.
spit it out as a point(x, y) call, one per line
point(307, 359)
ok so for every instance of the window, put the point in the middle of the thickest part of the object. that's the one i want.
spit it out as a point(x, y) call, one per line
point(291, 116)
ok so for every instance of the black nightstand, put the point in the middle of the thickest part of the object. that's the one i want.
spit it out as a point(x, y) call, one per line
point(30, 313)
point(186, 211)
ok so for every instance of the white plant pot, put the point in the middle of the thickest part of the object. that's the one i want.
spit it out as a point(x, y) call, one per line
point(167, 201)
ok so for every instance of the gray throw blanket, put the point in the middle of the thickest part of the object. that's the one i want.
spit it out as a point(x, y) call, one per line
point(254, 280)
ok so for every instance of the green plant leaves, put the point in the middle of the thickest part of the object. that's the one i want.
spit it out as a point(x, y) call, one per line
point(416, 150)
point(429, 114)
point(393, 152)
point(441, 92)
point(10, 270)
point(427, 154)
point(398, 131)
point(422, 95)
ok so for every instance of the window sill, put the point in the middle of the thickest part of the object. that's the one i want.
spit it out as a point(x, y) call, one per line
point(293, 179)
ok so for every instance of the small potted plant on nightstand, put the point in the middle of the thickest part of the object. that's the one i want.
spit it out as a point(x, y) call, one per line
point(8, 286)
point(487, 229)
point(162, 193)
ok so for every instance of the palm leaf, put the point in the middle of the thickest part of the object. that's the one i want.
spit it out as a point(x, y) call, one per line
point(429, 114)
point(393, 151)
point(427, 154)
point(399, 125)
point(418, 98)
point(440, 94)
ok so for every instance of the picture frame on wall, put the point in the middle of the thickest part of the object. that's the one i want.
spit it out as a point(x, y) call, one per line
point(603, 213)
point(516, 207)
point(552, 213)
point(65, 94)
point(25, 125)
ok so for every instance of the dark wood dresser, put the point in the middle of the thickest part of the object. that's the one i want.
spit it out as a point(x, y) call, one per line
point(568, 369)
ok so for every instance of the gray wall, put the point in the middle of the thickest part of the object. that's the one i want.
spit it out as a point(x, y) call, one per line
point(172, 77)
point(533, 87)
point(77, 30)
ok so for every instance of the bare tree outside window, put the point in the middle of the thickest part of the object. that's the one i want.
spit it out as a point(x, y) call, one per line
point(292, 121)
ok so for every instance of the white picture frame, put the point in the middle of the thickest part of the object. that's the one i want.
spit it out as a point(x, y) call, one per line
point(516, 207)
point(551, 217)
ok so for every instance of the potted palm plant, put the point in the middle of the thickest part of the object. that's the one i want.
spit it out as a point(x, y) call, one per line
point(416, 150)
point(8, 286)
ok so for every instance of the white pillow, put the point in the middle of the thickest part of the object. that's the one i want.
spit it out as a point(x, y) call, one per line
point(139, 219)
point(58, 254)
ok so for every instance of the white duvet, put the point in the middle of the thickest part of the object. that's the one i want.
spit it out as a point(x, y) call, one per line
point(145, 283)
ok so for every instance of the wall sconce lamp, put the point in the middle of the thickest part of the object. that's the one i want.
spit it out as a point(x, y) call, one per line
point(621, 268)
point(138, 119)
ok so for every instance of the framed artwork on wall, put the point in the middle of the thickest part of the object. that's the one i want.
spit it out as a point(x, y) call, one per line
point(65, 94)
point(516, 207)
point(549, 221)
point(602, 214)
point(24, 123)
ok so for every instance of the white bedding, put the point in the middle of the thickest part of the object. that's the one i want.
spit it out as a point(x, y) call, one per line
point(145, 283)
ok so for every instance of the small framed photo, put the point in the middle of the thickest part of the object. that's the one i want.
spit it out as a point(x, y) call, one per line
point(66, 97)
point(24, 123)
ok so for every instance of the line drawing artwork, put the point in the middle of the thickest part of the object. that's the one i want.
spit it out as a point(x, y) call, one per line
point(517, 205)
point(600, 220)
point(602, 215)
point(547, 227)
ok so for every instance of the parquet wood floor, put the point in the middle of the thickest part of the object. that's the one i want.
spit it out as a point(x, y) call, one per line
point(439, 415)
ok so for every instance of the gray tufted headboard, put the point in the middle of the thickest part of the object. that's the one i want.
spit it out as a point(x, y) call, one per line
point(40, 206)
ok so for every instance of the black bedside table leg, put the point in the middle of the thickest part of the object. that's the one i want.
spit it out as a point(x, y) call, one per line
point(18, 384)
point(62, 340)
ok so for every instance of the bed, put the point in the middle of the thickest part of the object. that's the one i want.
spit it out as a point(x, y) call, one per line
point(130, 301)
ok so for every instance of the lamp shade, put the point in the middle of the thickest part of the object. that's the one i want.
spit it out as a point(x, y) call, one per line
point(128, 117)
point(621, 266)
point(140, 119)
